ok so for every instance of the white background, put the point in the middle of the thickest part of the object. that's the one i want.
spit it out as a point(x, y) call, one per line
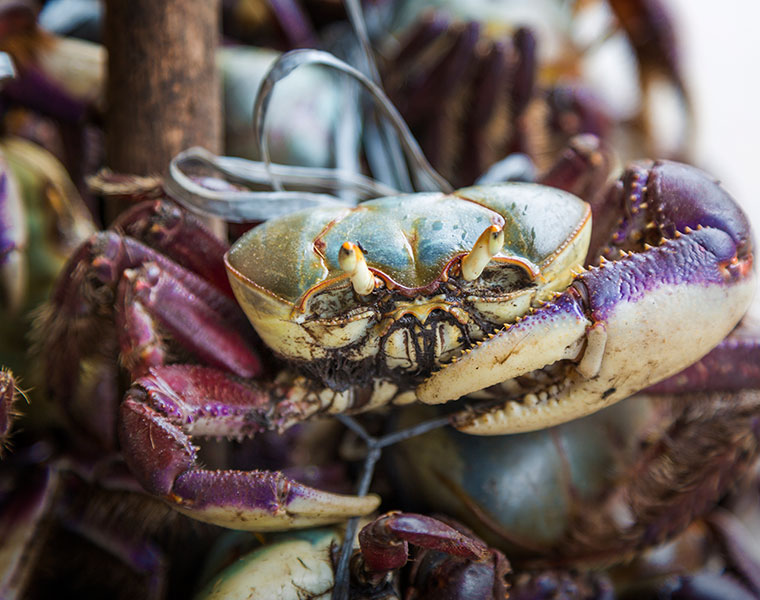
point(721, 42)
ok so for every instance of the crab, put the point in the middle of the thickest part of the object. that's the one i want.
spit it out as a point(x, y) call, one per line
point(428, 297)
point(477, 81)
point(442, 554)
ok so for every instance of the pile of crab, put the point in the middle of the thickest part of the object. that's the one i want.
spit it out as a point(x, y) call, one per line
point(554, 379)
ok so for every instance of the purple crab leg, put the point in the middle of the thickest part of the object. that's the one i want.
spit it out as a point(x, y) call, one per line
point(160, 413)
point(179, 235)
point(76, 335)
point(524, 79)
point(81, 303)
point(625, 324)
point(486, 143)
point(151, 299)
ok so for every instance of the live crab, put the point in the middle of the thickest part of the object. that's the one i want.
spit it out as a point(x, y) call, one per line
point(427, 297)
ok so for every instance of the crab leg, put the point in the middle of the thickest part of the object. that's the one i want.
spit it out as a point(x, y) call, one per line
point(161, 412)
point(179, 235)
point(13, 240)
point(81, 304)
point(8, 393)
point(625, 324)
point(151, 296)
point(76, 333)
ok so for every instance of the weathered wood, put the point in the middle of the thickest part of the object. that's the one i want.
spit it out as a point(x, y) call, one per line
point(163, 91)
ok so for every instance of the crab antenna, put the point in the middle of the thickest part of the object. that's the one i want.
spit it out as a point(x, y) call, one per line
point(351, 260)
point(488, 245)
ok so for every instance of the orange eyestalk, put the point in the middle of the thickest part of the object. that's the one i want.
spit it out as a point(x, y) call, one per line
point(351, 260)
point(488, 245)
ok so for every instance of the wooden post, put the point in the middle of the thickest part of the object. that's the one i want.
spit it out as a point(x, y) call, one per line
point(163, 92)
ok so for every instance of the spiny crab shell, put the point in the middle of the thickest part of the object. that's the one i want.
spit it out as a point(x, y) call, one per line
point(287, 277)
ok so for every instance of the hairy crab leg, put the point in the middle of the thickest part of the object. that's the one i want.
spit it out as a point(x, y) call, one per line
point(81, 305)
point(163, 409)
point(621, 312)
point(75, 330)
point(8, 395)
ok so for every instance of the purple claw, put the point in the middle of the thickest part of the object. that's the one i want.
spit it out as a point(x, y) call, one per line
point(627, 323)
point(163, 408)
point(385, 541)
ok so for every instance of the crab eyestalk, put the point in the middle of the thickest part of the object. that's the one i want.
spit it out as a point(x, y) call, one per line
point(488, 245)
point(351, 260)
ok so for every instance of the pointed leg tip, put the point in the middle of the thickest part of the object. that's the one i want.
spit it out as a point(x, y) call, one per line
point(262, 501)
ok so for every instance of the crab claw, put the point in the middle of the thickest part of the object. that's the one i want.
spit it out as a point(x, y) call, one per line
point(158, 415)
point(625, 324)
point(385, 541)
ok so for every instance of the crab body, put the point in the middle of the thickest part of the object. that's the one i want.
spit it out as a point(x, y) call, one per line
point(420, 312)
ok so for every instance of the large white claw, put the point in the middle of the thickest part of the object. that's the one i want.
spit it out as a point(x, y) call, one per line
point(556, 332)
point(635, 336)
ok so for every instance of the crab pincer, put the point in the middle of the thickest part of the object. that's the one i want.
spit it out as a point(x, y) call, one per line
point(169, 404)
point(682, 281)
point(449, 557)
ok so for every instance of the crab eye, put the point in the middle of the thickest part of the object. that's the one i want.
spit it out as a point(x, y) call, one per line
point(488, 245)
point(351, 260)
